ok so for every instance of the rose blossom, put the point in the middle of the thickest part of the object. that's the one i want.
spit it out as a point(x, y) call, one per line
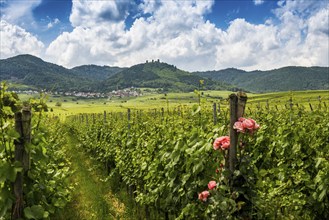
point(222, 142)
point(238, 126)
point(204, 195)
point(243, 125)
point(248, 124)
point(211, 185)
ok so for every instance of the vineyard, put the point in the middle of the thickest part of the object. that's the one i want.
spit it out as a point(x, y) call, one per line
point(175, 163)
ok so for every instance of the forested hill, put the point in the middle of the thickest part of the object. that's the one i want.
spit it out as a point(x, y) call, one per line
point(33, 71)
point(98, 73)
point(283, 79)
point(161, 75)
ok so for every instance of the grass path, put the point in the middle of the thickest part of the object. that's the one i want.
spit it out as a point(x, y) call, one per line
point(92, 197)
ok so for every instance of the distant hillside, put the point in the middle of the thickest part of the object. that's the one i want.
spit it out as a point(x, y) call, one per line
point(33, 71)
point(159, 75)
point(283, 79)
point(97, 73)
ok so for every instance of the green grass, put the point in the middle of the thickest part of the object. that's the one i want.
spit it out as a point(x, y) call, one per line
point(72, 105)
point(92, 196)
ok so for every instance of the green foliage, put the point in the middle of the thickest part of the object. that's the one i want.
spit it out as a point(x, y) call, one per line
point(292, 165)
point(168, 159)
point(45, 186)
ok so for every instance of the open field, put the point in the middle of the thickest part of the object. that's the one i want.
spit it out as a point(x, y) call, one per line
point(73, 105)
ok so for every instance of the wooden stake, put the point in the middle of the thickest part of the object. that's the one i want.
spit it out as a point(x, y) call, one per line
point(237, 107)
point(233, 133)
point(23, 127)
point(215, 113)
point(128, 117)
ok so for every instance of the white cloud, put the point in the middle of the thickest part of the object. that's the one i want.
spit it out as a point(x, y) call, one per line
point(315, 50)
point(301, 38)
point(52, 23)
point(14, 40)
point(177, 32)
point(91, 13)
point(19, 12)
point(258, 2)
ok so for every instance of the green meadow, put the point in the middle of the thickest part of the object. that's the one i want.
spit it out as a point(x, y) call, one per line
point(69, 105)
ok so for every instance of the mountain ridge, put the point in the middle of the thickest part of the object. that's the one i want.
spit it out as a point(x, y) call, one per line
point(280, 79)
point(33, 71)
point(157, 74)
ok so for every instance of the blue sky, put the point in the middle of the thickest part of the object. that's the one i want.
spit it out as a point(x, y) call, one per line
point(194, 35)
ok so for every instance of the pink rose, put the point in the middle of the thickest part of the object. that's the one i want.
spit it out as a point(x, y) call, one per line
point(222, 142)
point(211, 185)
point(203, 196)
point(243, 125)
point(238, 126)
point(256, 126)
point(241, 119)
point(248, 124)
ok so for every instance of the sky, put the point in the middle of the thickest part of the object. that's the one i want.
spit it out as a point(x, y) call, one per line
point(194, 35)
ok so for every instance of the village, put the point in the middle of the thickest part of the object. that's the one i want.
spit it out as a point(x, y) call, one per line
point(128, 92)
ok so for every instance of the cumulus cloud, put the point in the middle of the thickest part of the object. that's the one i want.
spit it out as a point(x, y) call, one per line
point(19, 12)
point(300, 38)
point(14, 40)
point(91, 13)
point(175, 32)
point(258, 2)
point(51, 24)
point(178, 33)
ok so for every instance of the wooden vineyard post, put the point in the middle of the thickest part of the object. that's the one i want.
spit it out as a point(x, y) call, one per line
point(290, 103)
point(242, 100)
point(162, 112)
point(215, 113)
point(233, 134)
point(237, 107)
point(23, 127)
point(104, 117)
point(128, 117)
